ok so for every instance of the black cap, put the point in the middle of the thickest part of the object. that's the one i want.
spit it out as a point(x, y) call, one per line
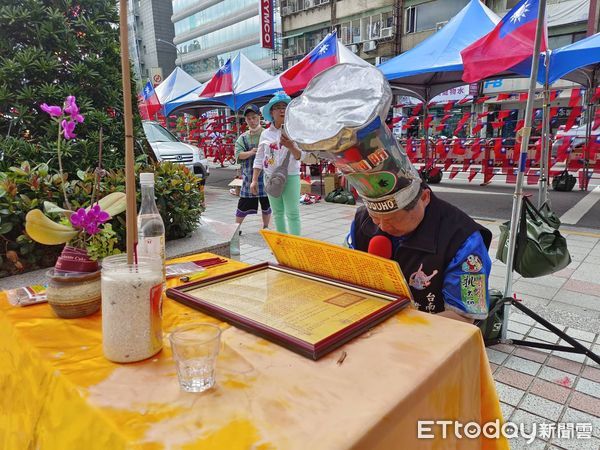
point(251, 108)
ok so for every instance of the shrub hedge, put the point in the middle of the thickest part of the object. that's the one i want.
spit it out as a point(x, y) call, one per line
point(179, 197)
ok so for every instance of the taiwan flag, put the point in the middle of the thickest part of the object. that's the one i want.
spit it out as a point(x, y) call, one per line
point(220, 83)
point(507, 45)
point(150, 104)
point(320, 58)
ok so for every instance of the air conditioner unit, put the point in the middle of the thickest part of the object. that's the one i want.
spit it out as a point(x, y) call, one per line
point(286, 11)
point(354, 48)
point(387, 32)
point(308, 4)
point(440, 25)
point(369, 46)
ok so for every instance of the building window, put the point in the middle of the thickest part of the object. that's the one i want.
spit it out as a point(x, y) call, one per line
point(511, 3)
point(377, 26)
point(293, 6)
point(294, 46)
point(426, 16)
point(410, 20)
point(345, 33)
point(565, 39)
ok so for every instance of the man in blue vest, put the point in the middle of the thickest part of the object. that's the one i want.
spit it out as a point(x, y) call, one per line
point(442, 252)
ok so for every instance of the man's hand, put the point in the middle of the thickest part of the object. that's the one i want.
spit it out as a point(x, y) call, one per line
point(248, 154)
point(254, 187)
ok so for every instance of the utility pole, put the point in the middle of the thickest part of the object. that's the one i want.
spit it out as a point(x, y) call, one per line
point(333, 15)
point(399, 13)
point(593, 17)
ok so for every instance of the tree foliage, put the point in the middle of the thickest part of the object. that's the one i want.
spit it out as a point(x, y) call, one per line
point(51, 49)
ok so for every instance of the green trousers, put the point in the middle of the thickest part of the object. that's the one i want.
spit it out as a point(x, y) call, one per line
point(286, 209)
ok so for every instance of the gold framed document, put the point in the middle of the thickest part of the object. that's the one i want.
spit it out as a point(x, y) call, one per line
point(306, 313)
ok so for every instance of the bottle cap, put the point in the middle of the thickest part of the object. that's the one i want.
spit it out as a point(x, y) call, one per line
point(146, 178)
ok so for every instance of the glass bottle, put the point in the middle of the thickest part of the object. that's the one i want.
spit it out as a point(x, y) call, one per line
point(151, 229)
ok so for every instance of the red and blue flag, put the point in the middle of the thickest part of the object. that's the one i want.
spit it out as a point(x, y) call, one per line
point(220, 83)
point(510, 43)
point(149, 104)
point(323, 56)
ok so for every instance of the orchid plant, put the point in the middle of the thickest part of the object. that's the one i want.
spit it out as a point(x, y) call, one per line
point(66, 118)
point(86, 226)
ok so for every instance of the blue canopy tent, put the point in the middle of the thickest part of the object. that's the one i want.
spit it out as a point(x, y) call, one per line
point(579, 62)
point(435, 65)
point(245, 74)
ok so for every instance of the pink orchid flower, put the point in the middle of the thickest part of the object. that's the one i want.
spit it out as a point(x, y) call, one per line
point(68, 128)
point(54, 111)
point(89, 221)
point(72, 109)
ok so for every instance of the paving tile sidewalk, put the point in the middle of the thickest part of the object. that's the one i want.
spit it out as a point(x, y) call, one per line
point(560, 390)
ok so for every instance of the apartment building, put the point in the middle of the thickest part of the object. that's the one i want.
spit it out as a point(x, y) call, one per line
point(208, 32)
point(567, 19)
point(367, 27)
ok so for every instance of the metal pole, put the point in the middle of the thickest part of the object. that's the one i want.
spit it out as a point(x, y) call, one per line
point(544, 169)
point(526, 132)
point(426, 131)
point(588, 130)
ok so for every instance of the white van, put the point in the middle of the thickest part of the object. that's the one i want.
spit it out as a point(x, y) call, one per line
point(167, 147)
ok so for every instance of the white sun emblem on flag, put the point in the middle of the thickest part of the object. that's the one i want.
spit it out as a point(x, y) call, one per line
point(520, 13)
point(323, 49)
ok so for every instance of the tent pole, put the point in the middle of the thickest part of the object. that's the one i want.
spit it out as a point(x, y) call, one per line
point(526, 132)
point(588, 130)
point(544, 159)
point(426, 130)
point(131, 210)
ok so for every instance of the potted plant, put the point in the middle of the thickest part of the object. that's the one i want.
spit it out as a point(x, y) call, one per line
point(74, 282)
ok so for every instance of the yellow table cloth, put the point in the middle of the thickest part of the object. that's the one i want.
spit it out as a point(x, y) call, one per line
point(59, 392)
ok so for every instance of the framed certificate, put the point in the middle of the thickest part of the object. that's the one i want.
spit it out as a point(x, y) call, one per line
point(306, 313)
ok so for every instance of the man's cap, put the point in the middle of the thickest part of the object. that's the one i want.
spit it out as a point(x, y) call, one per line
point(251, 108)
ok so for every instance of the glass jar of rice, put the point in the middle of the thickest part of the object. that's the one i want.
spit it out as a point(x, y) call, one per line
point(131, 308)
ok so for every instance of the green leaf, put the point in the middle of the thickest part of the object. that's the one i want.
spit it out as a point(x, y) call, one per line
point(6, 227)
point(50, 208)
point(81, 175)
point(42, 169)
point(18, 171)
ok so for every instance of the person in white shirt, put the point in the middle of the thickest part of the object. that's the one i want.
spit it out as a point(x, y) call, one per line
point(273, 147)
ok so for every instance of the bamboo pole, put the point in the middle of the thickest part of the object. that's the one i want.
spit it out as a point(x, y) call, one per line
point(131, 211)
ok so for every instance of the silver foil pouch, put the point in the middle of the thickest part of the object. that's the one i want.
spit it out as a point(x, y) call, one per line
point(341, 115)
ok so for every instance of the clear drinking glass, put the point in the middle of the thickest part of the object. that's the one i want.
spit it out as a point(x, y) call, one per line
point(195, 350)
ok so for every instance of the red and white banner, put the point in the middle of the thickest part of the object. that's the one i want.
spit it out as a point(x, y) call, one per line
point(267, 32)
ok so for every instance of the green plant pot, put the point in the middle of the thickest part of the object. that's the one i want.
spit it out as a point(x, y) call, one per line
point(73, 295)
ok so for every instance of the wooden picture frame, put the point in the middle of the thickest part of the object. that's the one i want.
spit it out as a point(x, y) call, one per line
point(312, 316)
